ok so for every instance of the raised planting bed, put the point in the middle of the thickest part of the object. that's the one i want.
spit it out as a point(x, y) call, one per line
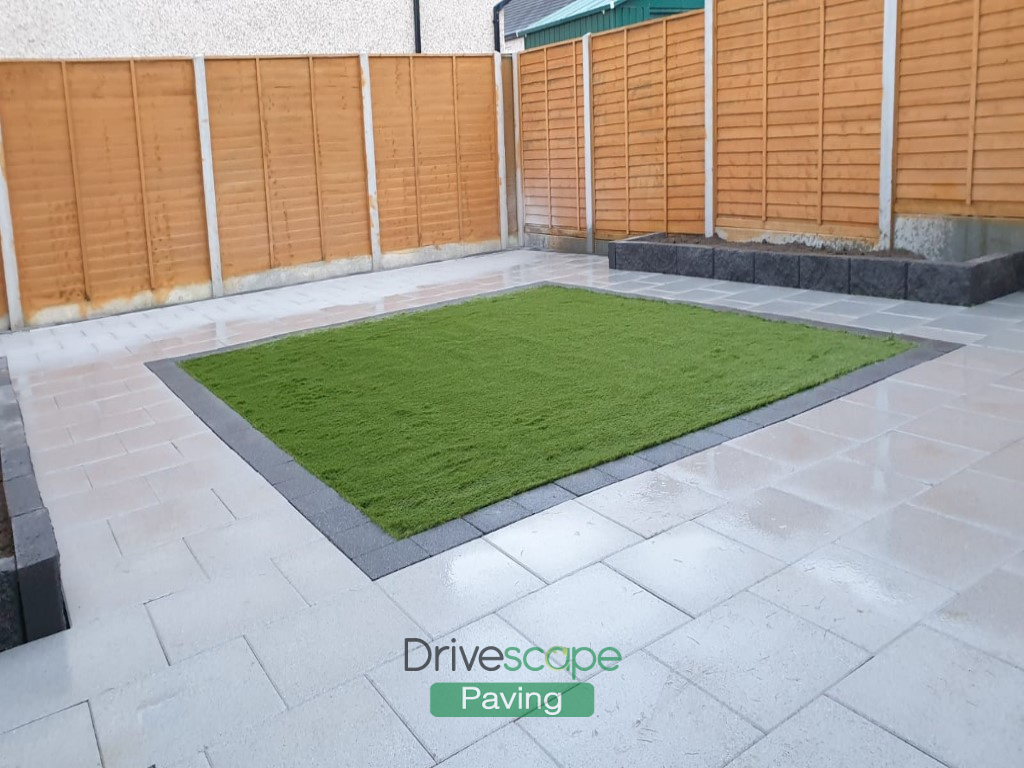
point(890, 275)
point(31, 597)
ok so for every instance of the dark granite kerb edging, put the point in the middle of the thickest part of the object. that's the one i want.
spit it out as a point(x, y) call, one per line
point(36, 557)
point(378, 554)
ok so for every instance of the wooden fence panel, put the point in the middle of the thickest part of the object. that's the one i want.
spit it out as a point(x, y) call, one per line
point(339, 129)
point(172, 169)
point(435, 134)
point(685, 113)
point(106, 160)
point(438, 169)
point(648, 92)
point(286, 90)
point(798, 111)
point(610, 126)
point(959, 141)
point(478, 149)
point(551, 119)
point(395, 145)
point(852, 117)
point(236, 135)
point(41, 183)
point(533, 111)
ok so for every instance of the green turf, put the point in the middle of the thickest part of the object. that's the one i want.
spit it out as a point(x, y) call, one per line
point(423, 417)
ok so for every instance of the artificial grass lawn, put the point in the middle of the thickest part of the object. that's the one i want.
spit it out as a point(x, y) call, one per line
point(423, 417)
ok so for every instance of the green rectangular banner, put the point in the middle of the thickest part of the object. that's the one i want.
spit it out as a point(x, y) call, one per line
point(511, 699)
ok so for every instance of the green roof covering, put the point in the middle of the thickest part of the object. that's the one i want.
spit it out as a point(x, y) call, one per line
point(573, 10)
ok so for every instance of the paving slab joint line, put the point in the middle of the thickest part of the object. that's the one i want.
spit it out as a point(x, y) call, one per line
point(388, 554)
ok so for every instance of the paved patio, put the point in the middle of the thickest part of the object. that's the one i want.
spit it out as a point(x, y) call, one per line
point(845, 588)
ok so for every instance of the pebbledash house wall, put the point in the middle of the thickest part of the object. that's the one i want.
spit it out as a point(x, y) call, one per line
point(104, 29)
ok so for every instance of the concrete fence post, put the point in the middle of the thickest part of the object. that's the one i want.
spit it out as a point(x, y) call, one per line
point(887, 154)
point(371, 161)
point(209, 191)
point(517, 127)
point(499, 94)
point(14, 313)
point(588, 142)
point(709, 118)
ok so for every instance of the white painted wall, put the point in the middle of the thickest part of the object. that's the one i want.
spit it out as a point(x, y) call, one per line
point(43, 29)
point(457, 26)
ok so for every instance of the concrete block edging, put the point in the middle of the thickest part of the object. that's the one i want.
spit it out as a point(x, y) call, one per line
point(378, 554)
point(36, 573)
point(963, 283)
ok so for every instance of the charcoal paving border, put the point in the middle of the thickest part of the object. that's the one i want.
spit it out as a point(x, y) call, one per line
point(378, 554)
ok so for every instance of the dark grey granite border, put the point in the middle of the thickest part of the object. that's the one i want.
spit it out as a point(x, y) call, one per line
point(377, 554)
point(37, 605)
point(959, 283)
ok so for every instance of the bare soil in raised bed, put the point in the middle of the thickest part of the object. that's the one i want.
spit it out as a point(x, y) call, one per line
point(839, 250)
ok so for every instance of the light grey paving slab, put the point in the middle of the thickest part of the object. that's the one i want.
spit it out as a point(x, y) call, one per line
point(946, 698)
point(777, 523)
point(947, 551)
point(138, 464)
point(900, 397)
point(886, 321)
point(645, 715)
point(64, 739)
point(976, 358)
point(693, 568)
point(200, 617)
point(349, 726)
point(971, 430)
point(173, 714)
point(246, 543)
point(726, 471)
point(55, 672)
point(595, 607)
point(852, 487)
point(319, 571)
point(169, 521)
point(100, 503)
point(510, 748)
point(89, 547)
point(560, 540)
point(650, 503)
point(761, 660)
point(826, 733)
point(792, 444)
point(1016, 565)
point(331, 643)
point(995, 401)
point(91, 590)
point(989, 615)
point(850, 420)
point(861, 599)
point(918, 457)
point(956, 379)
point(458, 586)
point(995, 503)
point(409, 692)
point(1007, 462)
